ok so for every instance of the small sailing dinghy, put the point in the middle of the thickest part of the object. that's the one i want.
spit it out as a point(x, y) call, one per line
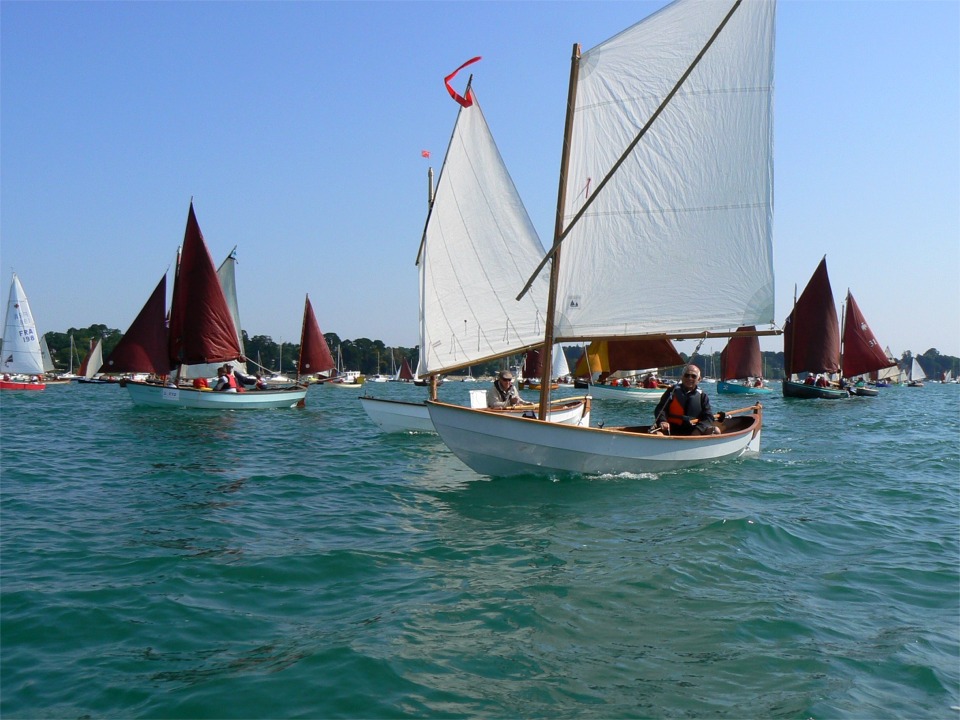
point(741, 365)
point(667, 157)
point(201, 331)
point(860, 352)
point(916, 376)
point(477, 246)
point(21, 359)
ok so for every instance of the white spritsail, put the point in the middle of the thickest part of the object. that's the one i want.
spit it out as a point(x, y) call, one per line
point(20, 353)
point(478, 248)
point(691, 205)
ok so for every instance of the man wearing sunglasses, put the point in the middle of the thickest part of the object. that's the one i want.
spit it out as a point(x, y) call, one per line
point(504, 393)
point(684, 409)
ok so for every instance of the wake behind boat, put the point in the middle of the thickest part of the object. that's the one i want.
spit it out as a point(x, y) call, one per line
point(667, 154)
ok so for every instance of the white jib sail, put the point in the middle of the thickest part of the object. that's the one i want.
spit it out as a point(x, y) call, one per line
point(21, 344)
point(478, 249)
point(680, 238)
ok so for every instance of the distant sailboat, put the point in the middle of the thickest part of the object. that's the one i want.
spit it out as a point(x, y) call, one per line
point(860, 351)
point(21, 359)
point(741, 365)
point(201, 330)
point(811, 339)
point(90, 367)
point(315, 356)
point(916, 376)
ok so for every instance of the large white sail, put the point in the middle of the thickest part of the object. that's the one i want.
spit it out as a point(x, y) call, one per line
point(21, 344)
point(680, 238)
point(478, 248)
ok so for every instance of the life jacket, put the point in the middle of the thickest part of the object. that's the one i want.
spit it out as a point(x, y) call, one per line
point(233, 381)
point(678, 405)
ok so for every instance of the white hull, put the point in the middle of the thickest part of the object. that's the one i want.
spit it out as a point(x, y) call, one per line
point(504, 446)
point(159, 396)
point(610, 392)
point(395, 416)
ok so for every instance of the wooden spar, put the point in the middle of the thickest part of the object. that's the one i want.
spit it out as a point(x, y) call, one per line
point(547, 353)
point(626, 153)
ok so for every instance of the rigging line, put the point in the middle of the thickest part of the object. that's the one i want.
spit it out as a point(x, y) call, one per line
point(626, 153)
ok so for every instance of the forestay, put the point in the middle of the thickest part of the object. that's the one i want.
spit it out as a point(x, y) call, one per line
point(672, 243)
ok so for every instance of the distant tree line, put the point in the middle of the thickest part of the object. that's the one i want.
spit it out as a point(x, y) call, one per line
point(373, 357)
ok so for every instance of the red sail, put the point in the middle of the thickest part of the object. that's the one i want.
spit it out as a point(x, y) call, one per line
point(315, 355)
point(741, 357)
point(811, 333)
point(613, 355)
point(143, 348)
point(861, 349)
point(201, 327)
point(532, 365)
point(406, 372)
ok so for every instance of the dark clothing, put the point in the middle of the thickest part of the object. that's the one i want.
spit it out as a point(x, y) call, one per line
point(679, 408)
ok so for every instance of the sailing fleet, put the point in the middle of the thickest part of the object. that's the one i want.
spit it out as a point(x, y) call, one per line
point(667, 152)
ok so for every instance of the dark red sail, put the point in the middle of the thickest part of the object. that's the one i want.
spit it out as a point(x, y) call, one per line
point(861, 349)
point(315, 355)
point(741, 357)
point(811, 333)
point(532, 365)
point(143, 348)
point(406, 372)
point(201, 327)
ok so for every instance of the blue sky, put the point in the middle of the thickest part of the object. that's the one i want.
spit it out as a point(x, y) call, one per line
point(298, 128)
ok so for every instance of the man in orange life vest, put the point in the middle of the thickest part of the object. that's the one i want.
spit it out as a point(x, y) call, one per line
point(684, 409)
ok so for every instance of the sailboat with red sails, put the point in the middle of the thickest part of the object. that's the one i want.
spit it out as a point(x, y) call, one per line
point(199, 330)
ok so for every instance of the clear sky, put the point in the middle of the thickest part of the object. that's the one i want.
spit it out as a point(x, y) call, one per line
point(297, 127)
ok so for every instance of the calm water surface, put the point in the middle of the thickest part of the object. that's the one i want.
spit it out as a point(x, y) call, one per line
point(297, 563)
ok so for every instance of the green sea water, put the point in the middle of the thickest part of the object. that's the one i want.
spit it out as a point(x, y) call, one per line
point(300, 564)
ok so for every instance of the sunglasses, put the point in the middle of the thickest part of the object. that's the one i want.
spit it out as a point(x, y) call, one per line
point(693, 375)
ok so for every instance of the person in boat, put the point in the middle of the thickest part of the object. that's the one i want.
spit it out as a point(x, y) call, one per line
point(226, 382)
point(810, 380)
point(685, 409)
point(242, 378)
point(650, 381)
point(822, 381)
point(200, 383)
point(503, 393)
point(261, 382)
point(758, 382)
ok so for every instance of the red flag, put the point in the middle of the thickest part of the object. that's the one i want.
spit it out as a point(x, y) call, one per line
point(464, 101)
point(425, 153)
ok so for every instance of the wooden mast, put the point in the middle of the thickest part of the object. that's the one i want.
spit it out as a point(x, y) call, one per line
point(547, 353)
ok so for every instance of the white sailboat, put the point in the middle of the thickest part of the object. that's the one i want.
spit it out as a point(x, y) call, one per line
point(90, 367)
point(477, 248)
point(21, 359)
point(667, 155)
point(916, 376)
